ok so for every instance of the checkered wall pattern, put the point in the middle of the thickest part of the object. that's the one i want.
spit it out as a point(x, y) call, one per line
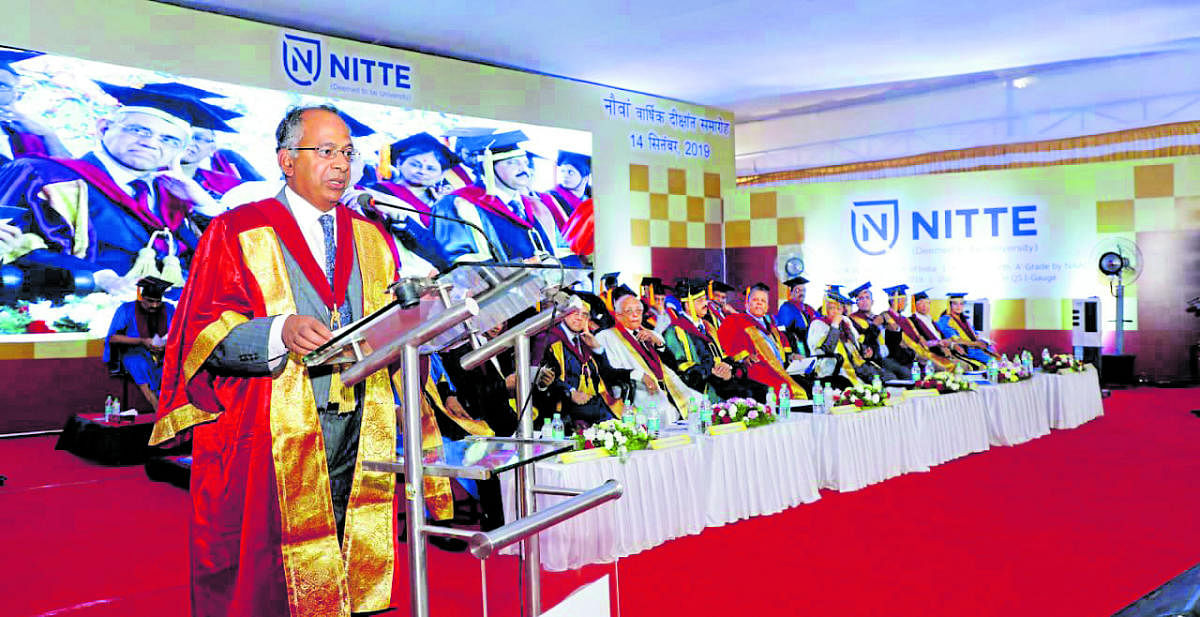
point(674, 208)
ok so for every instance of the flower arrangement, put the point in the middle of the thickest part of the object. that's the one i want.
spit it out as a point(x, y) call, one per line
point(614, 436)
point(863, 396)
point(1012, 374)
point(946, 382)
point(752, 412)
point(1062, 363)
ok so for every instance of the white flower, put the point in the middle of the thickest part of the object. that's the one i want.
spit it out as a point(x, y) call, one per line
point(621, 438)
point(589, 433)
point(608, 441)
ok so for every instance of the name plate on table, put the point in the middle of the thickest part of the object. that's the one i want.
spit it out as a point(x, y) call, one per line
point(920, 392)
point(580, 456)
point(725, 429)
point(670, 442)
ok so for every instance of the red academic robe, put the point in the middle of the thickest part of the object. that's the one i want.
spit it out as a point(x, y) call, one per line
point(741, 336)
point(263, 539)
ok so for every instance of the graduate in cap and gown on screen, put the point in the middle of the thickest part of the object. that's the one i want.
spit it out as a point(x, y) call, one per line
point(515, 224)
point(112, 215)
point(753, 338)
point(795, 316)
point(20, 133)
point(421, 162)
point(954, 326)
point(574, 193)
point(215, 168)
point(138, 335)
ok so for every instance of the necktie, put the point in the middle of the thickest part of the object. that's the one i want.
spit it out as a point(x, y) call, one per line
point(326, 221)
point(517, 208)
point(141, 194)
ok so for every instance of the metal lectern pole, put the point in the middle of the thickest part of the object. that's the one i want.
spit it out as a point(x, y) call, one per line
point(414, 480)
point(526, 480)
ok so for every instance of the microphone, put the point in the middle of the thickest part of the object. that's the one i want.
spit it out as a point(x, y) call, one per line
point(366, 200)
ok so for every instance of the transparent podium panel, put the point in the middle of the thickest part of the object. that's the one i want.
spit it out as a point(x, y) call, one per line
point(476, 458)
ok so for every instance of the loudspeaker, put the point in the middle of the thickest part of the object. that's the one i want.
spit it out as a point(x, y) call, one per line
point(1116, 370)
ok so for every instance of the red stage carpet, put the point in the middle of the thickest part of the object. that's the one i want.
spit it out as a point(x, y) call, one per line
point(1079, 522)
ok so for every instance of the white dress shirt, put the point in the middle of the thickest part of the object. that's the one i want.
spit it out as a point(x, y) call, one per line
point(308, 219)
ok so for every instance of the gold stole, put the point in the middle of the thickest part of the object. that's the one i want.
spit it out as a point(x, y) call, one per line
point(918, 346)
point(669, 377)
point(763, 348)
point(468, 424)
point(361, 579)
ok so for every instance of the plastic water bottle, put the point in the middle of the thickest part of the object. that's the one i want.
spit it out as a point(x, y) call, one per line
point(653, 420)
point(705, 414)
point(785, 402)
point(830, 396)
point(108, 409)
point(116, 409)
point(557, 430)
point(641, 418)
point(958, 368)
point(929, 370)
point(992, 370)
point(818, 398)
point(630, 416)
point(1004, 360)
point(916, 371)
point(1045, 356)
point(771, 406)
point(876, 383)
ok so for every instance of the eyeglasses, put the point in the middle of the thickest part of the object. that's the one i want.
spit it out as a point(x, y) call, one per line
point(142, 132)
point(329, 152)
point(6, 87)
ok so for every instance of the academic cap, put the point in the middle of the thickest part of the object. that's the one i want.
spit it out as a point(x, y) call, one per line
point(496, 142)
point(861, 288)
point(175, 88)
point(896, 290)
point(690, 288)
point(427, 143)
point(597, 311)
point(357, 129)
point(796, 280)
point(652, 281)
point(722, 286)
point(609, 279)
point(921, 295)
point(581, 162)
point(178, 89)
point(835, 295)
point(186, 109)
point(152, 287)
point(956, 295)
point(8, 57)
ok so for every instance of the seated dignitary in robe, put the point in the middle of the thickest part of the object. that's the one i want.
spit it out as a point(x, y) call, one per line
point(578, 391)
point(92, 215)
point(284, 516)
point(795, 316)
point(944, 352)
point(697, 354)
point(953, 325)
point(753, 338)
point(871, 328)
point(138, 334)
point(514, 223)
point(630, 345)
point(718, 302)
point(835, 334)
point(904, 342)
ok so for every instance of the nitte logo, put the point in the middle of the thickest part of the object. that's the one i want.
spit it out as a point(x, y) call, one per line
point(302, 62)
point(875, 225)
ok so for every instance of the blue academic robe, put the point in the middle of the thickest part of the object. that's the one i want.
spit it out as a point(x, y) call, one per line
point(136, 360)
point(115, 233)
point(510, 235)
point(948, 331)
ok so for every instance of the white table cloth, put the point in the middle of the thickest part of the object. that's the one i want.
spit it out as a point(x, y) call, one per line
point(952, 425)
point(663, 499)
point(860, 449)
point(761, 471)
point(1075, 397)
point(1017, 412)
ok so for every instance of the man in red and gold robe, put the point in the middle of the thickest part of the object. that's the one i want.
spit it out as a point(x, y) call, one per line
point(752, 337)
point(285, 521)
